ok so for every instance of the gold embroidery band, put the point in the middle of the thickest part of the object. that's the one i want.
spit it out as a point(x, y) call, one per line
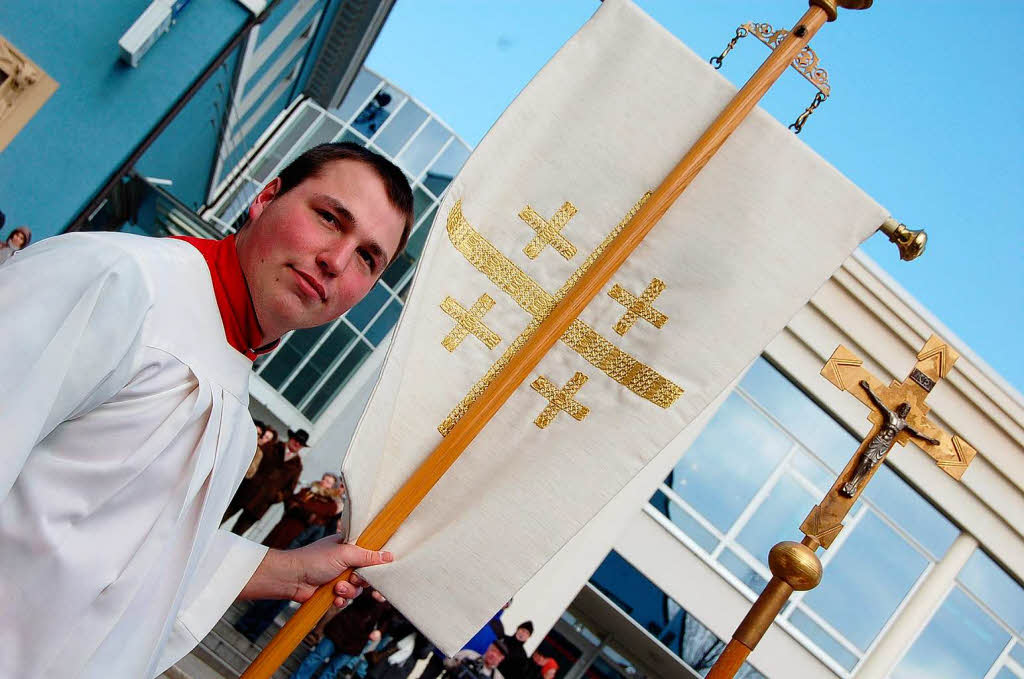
point(560, 399)
point(467, 322)
point(620, 366)
point(637, 308)
point(532, 298)
point(549, 232)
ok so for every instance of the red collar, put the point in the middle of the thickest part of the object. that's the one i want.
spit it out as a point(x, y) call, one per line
point(241, 327)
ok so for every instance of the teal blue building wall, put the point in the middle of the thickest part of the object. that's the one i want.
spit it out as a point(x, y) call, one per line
point(103, 108)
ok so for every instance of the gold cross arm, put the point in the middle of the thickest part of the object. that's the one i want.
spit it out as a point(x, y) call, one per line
point(639, 307)
point(560, 399)
point(899, 414)
point(549, 232)
point(469, 322)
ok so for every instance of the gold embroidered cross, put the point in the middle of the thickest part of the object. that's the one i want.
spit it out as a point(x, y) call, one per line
point(469, 322)
point(560, 399)
point(549, 231)
point(638, 307)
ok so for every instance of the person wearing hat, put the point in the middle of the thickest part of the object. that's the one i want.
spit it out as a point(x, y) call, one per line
point(125, 392)
point(274, 480)
point(18, 239)
point(482, 664)
point(514, 665)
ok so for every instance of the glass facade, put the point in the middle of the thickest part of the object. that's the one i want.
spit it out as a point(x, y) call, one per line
point(978, 631)
point(659, 614)
point(763, 462)
point(311, 366)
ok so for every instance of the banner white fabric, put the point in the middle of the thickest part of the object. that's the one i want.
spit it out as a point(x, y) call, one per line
point(747, 244)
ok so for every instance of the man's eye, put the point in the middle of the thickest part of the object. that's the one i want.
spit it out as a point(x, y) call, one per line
point(368, 258)
point(327, 216)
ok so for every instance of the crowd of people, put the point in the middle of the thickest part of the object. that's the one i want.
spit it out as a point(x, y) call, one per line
point(369, 638)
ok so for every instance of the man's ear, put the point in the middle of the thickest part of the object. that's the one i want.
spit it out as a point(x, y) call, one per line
point(264, 197)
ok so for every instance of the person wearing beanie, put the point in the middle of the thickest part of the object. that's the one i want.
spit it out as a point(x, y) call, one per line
point(514, 665)
point(18, 239)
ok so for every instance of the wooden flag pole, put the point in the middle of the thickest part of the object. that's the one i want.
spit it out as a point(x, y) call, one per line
point(384, 525)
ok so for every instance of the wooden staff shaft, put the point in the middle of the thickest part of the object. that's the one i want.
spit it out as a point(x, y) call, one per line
point(550, 330)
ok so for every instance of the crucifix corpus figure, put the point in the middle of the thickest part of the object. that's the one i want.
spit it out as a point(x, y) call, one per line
point(893, 422)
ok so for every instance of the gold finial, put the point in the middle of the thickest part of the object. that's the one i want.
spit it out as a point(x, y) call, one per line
point(795, 564)
point(831, 6)
point(910, 243)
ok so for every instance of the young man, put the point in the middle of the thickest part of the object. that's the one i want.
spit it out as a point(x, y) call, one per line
point(514, 665)
point(477, 664)
point(123, 403)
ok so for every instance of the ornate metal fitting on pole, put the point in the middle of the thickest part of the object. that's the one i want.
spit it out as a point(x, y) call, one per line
point(806, 63)
point(910, 243)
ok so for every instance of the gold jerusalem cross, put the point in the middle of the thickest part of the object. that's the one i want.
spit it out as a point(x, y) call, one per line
point(467, 322)
point(899, 414)
point(560, 399)
point(638, 307)
point(549, 232)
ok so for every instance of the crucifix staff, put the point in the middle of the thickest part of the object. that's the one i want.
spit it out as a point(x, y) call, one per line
point(899, 414)
point(384, 525)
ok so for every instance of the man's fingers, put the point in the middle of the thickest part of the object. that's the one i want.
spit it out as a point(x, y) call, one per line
point(357, 557)
point(347, 590)
point(358, 581)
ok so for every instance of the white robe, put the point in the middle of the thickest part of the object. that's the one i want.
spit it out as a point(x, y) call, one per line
point(124, 416)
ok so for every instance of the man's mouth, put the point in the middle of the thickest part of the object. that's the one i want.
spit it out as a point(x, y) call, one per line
point(310, 285)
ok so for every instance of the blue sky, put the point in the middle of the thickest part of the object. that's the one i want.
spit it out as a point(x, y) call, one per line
point(926, 114)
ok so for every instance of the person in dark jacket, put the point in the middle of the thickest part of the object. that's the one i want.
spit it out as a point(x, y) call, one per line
point(345, 635)
point(274, 481)
point(312, 506)
point(514, 665)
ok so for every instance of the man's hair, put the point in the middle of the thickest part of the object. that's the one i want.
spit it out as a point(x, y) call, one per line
point(311, 162)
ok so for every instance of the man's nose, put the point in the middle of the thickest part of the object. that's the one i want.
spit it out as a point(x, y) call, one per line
point(333, 260)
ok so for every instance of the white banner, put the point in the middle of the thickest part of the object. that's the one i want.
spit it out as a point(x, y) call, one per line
point(748, 243)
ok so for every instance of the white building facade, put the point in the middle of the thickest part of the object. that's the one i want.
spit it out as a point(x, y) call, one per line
point(925, 579)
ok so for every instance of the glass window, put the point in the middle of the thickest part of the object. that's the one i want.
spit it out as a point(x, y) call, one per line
point(377, 111)
point(333, 384)
point(362, 87)
point(387, 319)
point(361, 314)
point(756, 471)
point(990, 583)
point(325, 132)
point(423, 148)
point(781, 513)
point(444, 169)
point(660, 615)
point(801, 416)
point(961, 641)
point(822, 639)
point(400, 128)
point(912, 512)
point(723, 470)
point(284, 142)
point(870, 573)
point(293, 349)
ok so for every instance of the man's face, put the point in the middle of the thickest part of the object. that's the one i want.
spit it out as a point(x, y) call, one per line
point(522, 635)
point(266, 437)
point(327, 481)
point(16, 240)
point(312, 253)
point(492, 657)
point(294, 445)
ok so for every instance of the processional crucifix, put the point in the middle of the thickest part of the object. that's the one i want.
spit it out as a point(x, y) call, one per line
point(899, 414)
point(788, 48)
